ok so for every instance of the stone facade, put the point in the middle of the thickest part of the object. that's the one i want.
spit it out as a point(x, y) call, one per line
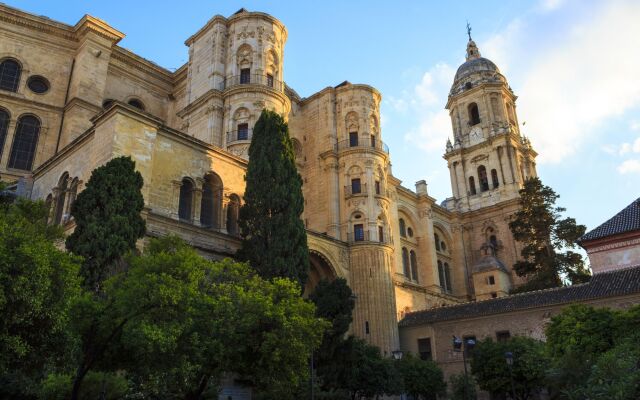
point(189, 131)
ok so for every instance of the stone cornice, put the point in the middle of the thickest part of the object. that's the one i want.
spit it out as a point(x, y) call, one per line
point(200, 101)
point(24, 19)
point(133, 60)
point(74, 145)
point(612, 242)
point(18, 98)
point(512, 136)
point(89, 24)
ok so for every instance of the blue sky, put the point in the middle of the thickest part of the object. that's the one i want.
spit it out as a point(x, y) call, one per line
point(573, 63)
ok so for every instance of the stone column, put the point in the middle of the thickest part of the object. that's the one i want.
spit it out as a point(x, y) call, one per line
point(175, 199)
point(5, 151)
point(196, 199)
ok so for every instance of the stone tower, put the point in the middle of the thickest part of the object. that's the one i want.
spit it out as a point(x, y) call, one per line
point(235, 70)
point(488, 161)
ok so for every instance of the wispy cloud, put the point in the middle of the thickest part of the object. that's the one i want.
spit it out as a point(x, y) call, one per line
point(574, 84)
point(427, 100)
point(629, 167)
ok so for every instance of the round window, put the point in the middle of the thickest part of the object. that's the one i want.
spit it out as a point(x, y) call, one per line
point(38, 84)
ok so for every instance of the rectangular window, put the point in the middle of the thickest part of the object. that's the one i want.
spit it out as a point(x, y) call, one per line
point(353, 139)
point(366, 327)
point(243, 131)
point(358, 232)
point(503, 336)
point(245, 75)
point(377, 187)
point(492, 280)
point(381, 234)
point(373, 141)
point(424, 348)
point(355, 186)
point(269, 80)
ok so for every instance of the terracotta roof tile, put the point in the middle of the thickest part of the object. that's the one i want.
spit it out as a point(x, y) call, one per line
point(625, 221)
point(606, 284)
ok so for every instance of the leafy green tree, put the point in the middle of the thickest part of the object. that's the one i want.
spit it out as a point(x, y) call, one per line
point(460, 385)
point(108, 221)
point(176, 322)
point(361, 372)
point(37, 284)
point(593, 352)
point(616, 375)
point(274, 240)
point(334, 302)
point(422, 378)
point(97, 385)
point(545, 235)
point(491, 371)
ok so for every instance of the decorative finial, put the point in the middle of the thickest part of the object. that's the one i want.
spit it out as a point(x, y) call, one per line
point(469, 30)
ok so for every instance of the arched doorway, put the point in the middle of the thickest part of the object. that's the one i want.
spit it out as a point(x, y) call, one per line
point(319, 268)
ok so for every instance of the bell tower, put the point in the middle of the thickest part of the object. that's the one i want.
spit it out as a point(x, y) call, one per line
point(489, 159)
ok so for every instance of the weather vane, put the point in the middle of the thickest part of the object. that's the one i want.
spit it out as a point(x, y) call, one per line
point(469, 30)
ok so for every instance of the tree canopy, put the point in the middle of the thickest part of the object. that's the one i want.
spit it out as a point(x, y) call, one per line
point(107, 218)
point(37, 283)
point(274, 240)
point(491, 370)
point(547, 239)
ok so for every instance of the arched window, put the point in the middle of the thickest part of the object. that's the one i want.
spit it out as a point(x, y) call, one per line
point(10, 75)
point(25, 140)
point(233, 210)
point(494, 178)
point(474, 115)
point(107, 103)
point(482, 177)
point(441, 275)
point(137, 104)
point(436, 239)
point(61, 190)
point(186, 200)
point(211, 205)
point(405, 262)
point(403, 228)
point(4, 127)
point(472, 185)
point(493, 240)
point(414, 266)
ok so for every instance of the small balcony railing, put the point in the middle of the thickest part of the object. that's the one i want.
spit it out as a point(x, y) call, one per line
point(369, 237)
point(353, 190)
point(239, 136)
point(363, 142)
point(252, 79)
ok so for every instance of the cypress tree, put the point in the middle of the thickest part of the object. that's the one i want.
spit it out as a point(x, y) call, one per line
point(546, 239)
point(274, 241)
point(108, 221)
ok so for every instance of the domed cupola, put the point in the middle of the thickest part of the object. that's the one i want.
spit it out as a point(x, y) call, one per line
point(475, 70)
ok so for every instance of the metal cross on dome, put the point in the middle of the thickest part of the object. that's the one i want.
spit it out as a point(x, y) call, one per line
point(469, 30)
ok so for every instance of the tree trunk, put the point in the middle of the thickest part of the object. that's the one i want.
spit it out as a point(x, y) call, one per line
point(77, 381)
point(197, 393)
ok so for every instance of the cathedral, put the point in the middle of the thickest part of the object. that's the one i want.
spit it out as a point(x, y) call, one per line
point(71, 99)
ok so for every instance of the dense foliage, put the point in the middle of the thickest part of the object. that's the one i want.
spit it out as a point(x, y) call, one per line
point(492, 373)
point(422, 379)
point(107, 218)
point(595, 353)
point(546, 236)
point(274, 241)
point(37, 283)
